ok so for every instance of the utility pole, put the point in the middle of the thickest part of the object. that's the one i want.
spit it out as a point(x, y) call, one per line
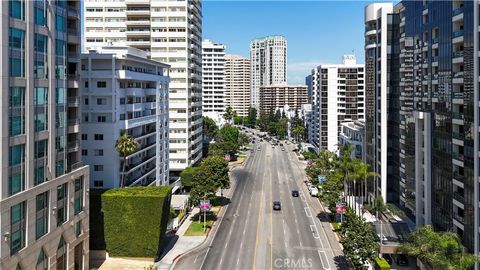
point(204, 214)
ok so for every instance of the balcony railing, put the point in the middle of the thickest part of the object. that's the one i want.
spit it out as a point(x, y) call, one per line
point(458, 74)
point(434, 58)
point(458, 218)
point(457, 11)
point(434, 40)
point(459, 197)
point(458, 176)
point(457, 54)
point(458, 33)
point(458, 156)
point(458, 136)
point(457, 115)
point(457, 94)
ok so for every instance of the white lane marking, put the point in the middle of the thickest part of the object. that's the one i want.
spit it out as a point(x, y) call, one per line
point(195, 259)
point(285, 233)
point(320, 252)
point(308, 212)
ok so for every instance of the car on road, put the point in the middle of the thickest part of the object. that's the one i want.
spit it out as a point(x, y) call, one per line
point(259, 149)
point(277, 206)
point(314, 192)
point(283, 149)
point(388, 258)
point(402, 260)
point(295, 193)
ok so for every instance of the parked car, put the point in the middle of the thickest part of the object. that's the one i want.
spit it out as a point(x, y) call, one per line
point(402, 260)
point(283, 149)
point(314, 191)
point(277, 206)
point(295, 193)
point(388, 258)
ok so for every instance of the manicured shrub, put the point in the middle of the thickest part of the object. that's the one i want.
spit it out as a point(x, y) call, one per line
point(97, 238)
point(135, 220)
point(381, 264)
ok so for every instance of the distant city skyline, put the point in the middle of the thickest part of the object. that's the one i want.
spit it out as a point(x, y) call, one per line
point(237, 23)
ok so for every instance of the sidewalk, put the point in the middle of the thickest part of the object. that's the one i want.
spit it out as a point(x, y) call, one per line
point(185, 244)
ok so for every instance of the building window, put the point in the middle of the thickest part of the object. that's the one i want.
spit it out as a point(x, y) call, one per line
point(98, 168)
point(16, 181)
point(84, 152)
point(78, 228)
point(122, 116)
point(86, 84)
point(86, 101)
point(40, 100)
point(17, 52)
point(40, 61)
point(60, 143)
point(60, 23)
point(62, 204)
point(60, 167)
point(40, 13)
point(84, 137)
point(41, 227)
point(101, 119)
point(17, 227)
point(42, 261)
point(17, 106)
point(98, 137)
point(78, 203)
point(60, 47)
point(101, 101)
point(61, 255)
point(60, 120)
point(101, 84)
point(17, 9)
point(39, 176)
point(40, 149)
point(98, 183)
point(98, 152)
point(60, 98)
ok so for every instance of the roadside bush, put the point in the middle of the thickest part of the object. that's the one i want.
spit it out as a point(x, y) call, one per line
point(136, 220)
point(381, 264)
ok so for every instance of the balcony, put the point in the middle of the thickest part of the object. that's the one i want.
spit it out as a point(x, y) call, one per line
point(457, 11)
point(459, 197)
point(138, 11)
point(73, 12)
point(73, 101)
point(457, 36)
point(458, 156)
point(459, 218)
point(458, 75)
point(73, 146)
point(138, 42)
point(138, 22)
point(434, 40)
point(458, 136)
point(434, 59)
point(457, 115)
point(458, 176)
point(458, 95)
point(138, 32)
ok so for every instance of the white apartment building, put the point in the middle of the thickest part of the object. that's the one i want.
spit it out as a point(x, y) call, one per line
point(44, 222)
point(353, 133)
point(268, 64)
point(237, 83)
point(213, 84)
point(123, 92)
point(171, 31)
point(338, 97)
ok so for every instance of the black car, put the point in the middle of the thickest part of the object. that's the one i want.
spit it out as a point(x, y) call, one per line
point(402, 260)
point(277, 206)
point(294, 193)
point(388, 258)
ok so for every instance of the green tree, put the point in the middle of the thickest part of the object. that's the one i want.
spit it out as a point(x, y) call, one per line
point(228, 115)
point(216, 168)
point(438, 250)
point(252, 116)
point(263, 121)
point(245, 121)
point(125, 145)
point(362, 174)
point(298, 132)
point(228, 133)
point(188, 175)
point(346, 165)
point(243, 140)
point(203, 187)
point(210, 129)
point(281, 128)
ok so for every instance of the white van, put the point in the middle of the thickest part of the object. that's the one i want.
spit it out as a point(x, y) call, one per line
point(314, 191)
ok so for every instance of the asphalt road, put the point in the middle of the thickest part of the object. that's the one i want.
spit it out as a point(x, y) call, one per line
point(251, 235)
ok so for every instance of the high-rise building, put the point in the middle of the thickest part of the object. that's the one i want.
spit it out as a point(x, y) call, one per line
point(44, 202)
point(237, 83)
point(171, 31)
point(338, 96)
point(268, 65)
point(213, 84)
point(308, 83)
point(381, 112)
point(429, 83)
point(287, 98)
point(123, 92)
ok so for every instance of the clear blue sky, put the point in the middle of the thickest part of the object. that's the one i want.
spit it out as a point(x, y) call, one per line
point(317, 32)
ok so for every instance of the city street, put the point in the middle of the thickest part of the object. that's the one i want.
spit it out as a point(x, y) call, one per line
point(251, 235)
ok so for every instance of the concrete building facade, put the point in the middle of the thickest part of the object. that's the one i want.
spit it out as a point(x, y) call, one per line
point(123, 92)
point(44, 206)
point(268, 65)
point(282, 97)
point(171, 31)
point(237, 83)
point(353, 133)
point(213, 84)
point(338, 96)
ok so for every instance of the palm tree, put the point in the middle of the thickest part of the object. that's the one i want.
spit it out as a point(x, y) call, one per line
point(346, 166)
point(125, 145)
point(362, 174)
point(228, 115)
point(438, 250)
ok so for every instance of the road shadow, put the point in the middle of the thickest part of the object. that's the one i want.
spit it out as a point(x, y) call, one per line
point(341, 262)
point(324, 217)
point(221, 201)
point(169, 241)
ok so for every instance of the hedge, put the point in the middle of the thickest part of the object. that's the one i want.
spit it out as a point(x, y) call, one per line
point(136, 220)
point(381, 264)
point(97, 238)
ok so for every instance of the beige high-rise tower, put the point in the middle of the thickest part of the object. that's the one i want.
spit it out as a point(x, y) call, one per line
point(237, 83)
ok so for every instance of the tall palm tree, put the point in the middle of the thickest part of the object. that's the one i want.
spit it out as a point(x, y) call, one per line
point(125, 145)
point(346, 166)
point(362, 174)
point(228, 115)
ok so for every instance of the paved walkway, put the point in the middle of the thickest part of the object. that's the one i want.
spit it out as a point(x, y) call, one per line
point(126, 263)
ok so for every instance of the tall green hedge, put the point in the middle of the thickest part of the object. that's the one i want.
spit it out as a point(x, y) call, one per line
point(135, 220)
point(381, 264)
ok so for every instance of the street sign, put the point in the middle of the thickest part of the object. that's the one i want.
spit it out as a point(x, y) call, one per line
point(205, 204)
point(340, 208)
point(321, 179)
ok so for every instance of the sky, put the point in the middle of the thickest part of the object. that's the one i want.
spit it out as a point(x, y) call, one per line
point(317, 32)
